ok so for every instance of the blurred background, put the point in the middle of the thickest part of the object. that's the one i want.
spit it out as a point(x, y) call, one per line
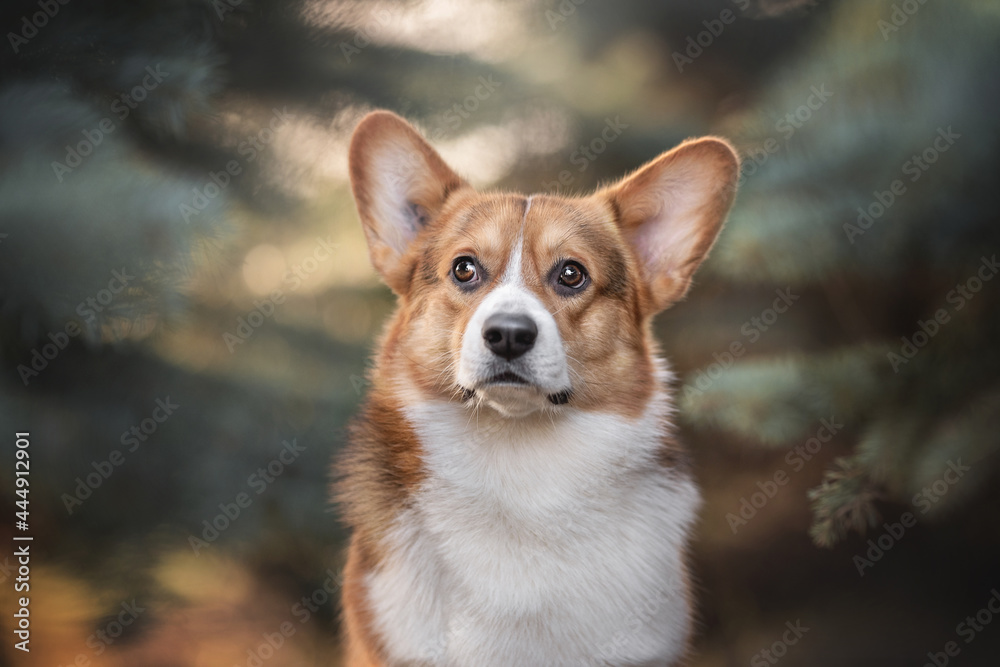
point(187, 308)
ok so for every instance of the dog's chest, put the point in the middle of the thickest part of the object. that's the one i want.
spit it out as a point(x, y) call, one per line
point(547, 543)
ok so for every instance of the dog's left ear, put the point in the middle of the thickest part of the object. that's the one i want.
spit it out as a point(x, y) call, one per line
point(672, 209)
point(400, 185)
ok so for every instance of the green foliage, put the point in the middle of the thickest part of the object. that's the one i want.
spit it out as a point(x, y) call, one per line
point(844, 501)
point(910, 362)
point(780, 401)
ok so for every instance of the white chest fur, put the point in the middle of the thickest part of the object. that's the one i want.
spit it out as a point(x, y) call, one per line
point(540, 542)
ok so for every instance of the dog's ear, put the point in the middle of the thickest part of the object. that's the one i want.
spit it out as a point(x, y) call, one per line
point(672, 209)
point(400, 185)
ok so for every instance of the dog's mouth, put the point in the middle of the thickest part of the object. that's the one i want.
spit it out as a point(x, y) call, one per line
point(506, 377)
point(511, 379)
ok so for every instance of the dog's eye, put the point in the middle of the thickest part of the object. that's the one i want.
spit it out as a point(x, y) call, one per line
point(572, 275)
point(464, 270)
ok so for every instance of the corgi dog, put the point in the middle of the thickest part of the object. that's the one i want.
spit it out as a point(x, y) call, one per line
point(513, 484)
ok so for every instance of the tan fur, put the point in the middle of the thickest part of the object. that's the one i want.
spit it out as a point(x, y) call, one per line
point(361, 645)
point(605, 329)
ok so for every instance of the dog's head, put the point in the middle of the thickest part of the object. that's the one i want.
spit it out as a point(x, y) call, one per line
point(527, 303)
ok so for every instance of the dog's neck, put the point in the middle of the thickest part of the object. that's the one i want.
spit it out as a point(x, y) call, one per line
point(513, 521)
point(471, 437)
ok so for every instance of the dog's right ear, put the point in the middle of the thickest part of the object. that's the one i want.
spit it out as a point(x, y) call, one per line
point(400, 185)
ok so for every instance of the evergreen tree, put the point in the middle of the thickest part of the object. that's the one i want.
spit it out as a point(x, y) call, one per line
point(870, 184)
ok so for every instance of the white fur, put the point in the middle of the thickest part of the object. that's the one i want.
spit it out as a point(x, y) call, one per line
point(513, 272)
point(551, 540)
point(544, 366)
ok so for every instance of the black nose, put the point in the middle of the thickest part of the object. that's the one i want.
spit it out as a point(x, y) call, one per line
point(509, 336)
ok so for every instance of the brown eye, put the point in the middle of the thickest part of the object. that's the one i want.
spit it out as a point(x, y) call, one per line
point(464, 270)
point(572, 275)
